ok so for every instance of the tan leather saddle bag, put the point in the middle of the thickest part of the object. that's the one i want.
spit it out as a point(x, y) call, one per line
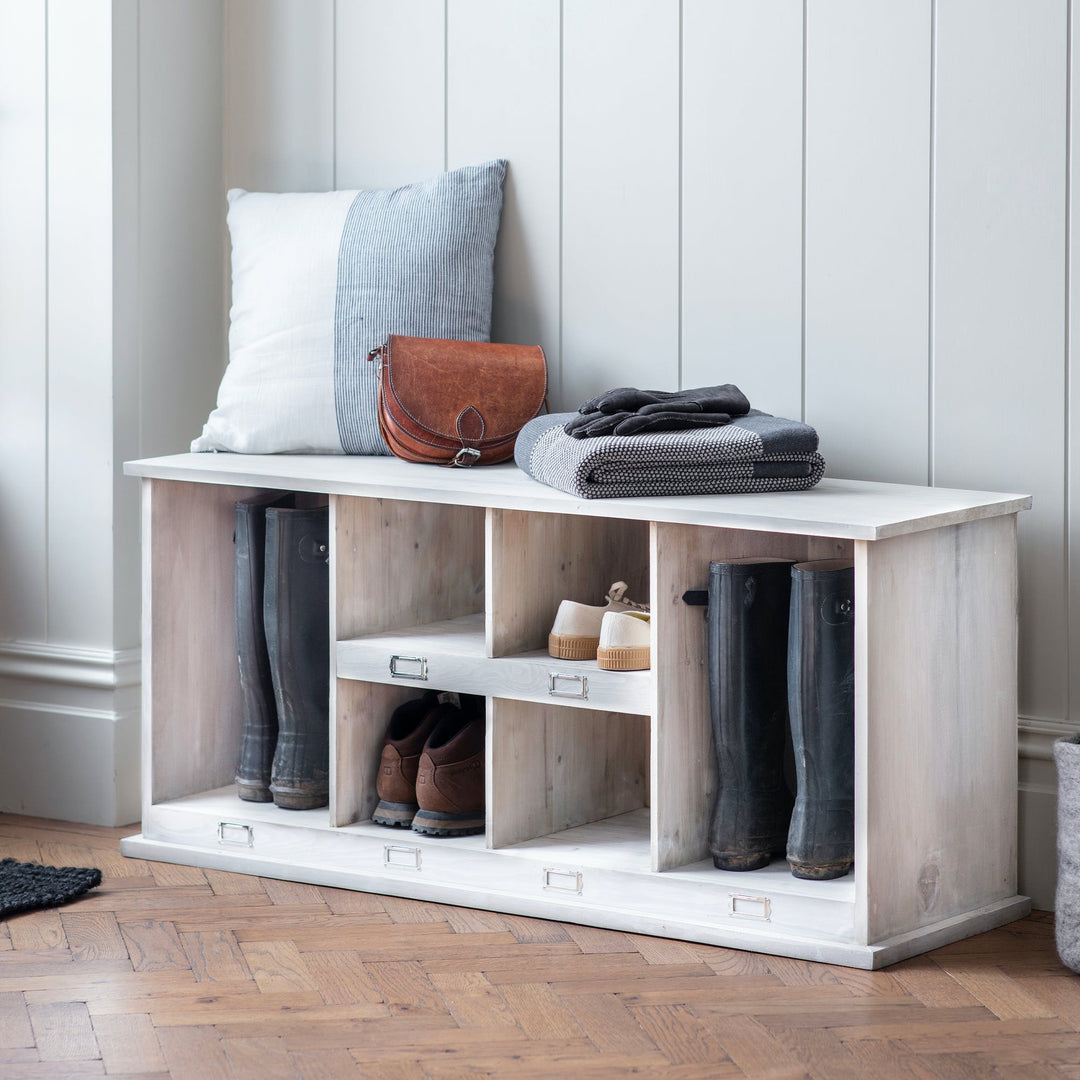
point(456, 402)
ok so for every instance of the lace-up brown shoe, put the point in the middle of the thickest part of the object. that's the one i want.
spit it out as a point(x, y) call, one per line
point(450, 778)
point(410, 725)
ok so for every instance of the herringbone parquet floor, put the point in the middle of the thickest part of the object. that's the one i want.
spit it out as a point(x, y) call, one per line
point(173, 971)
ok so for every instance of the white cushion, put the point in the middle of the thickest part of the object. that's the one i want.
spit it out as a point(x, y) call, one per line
point(320, 279)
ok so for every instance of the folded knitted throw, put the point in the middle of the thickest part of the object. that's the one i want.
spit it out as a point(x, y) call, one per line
point(756, 452)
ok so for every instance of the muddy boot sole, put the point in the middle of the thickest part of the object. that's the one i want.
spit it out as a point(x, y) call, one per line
point(394, 815)
point(432, 823)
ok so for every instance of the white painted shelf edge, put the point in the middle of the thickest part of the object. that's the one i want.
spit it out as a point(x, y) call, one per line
point(452, 653)
point(850, 509)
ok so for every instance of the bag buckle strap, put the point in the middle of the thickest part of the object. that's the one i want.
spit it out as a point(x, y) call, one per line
point(465, 457)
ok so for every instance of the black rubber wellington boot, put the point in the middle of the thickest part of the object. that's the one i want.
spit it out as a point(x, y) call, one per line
point(259, 726)
point(296, 610)
point(821, 701)
point(747, 664)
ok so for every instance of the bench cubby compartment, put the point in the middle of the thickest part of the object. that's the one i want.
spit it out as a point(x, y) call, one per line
point(537, 560)
point(551, 769)
point(191, 679)
point(680, 557)
point(600, 784)
point(362, 711)
point(398, 564)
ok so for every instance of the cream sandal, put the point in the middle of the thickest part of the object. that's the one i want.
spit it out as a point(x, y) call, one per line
point(624, 641)
point(575, 634)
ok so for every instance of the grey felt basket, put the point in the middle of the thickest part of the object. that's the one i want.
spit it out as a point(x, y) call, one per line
point(1067, 900)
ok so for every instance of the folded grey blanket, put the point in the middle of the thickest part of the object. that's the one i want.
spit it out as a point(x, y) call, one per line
point(756, 452)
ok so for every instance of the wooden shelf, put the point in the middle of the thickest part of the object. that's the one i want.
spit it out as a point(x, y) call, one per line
point(599, 783)
point(452, 655)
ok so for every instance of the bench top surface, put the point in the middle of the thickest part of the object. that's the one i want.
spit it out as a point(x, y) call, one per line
point(851, 509)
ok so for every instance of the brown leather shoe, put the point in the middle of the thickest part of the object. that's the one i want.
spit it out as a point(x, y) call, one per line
point(450, 778)
point(410, 725)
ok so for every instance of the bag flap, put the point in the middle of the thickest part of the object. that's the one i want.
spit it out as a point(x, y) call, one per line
point(465, 390)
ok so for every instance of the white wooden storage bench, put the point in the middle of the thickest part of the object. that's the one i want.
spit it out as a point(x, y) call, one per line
point(599, 783)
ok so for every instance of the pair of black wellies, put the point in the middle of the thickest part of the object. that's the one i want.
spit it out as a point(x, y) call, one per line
point(283, 646)
point(781, 659)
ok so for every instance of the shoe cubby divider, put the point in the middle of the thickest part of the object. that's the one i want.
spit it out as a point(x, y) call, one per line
point(551, 769)
point(189, 632)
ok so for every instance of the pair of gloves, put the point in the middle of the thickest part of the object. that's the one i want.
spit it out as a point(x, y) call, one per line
point(629, 411)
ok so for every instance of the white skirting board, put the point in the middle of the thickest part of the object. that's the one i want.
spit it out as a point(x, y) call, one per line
point(69, 763)
point(1037, 815)
point(69, 728)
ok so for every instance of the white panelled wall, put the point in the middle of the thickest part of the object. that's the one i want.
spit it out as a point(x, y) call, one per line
point(857, 210)
point(111, 331)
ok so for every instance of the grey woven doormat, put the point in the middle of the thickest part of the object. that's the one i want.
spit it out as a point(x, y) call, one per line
point(25, 886)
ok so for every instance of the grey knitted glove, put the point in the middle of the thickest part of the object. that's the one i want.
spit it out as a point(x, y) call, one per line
point(629, 411)
point(594, 424)
point(629, 423)
point(668, 420)
point(725, 398)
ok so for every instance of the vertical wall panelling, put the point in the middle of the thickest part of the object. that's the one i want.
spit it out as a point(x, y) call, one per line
point(742, 93)
point(503, 101)
point(280, 95)
point(999, 267)
point(126, 383)
point(80, 429)
point(23, 337)
point(867, 235)
point(181, 219)
point(390, 79)
point(620, 277)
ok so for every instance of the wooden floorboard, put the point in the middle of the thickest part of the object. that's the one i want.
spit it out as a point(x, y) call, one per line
point(172, 971)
